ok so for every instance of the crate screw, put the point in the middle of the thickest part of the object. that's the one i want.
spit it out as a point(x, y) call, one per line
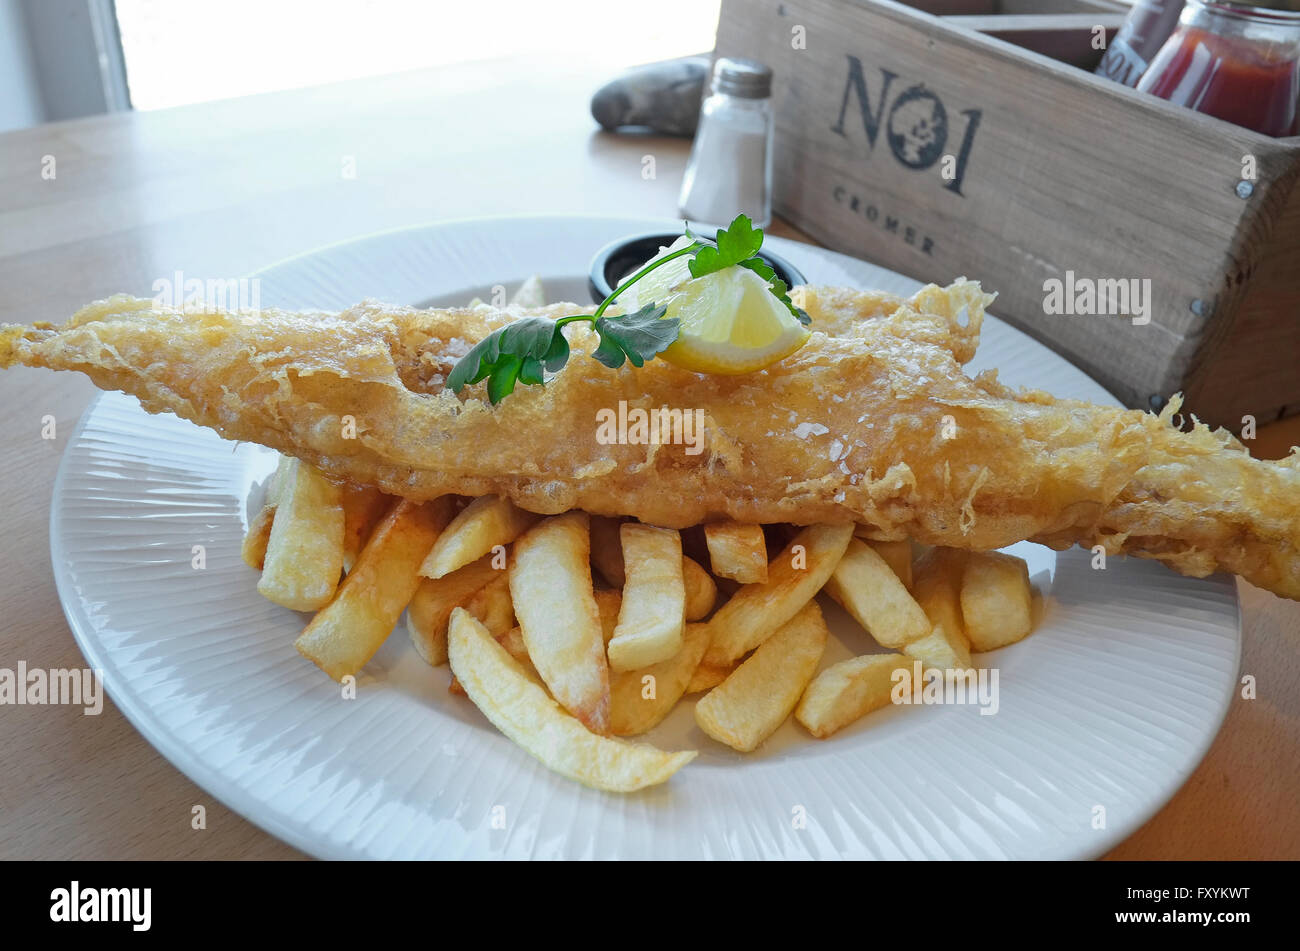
point(1157, 402)
point(1245, 189)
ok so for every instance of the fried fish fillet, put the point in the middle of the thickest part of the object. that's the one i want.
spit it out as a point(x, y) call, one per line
point(872, 421)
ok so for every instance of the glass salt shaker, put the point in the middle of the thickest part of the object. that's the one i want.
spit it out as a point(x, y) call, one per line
point(730, 169)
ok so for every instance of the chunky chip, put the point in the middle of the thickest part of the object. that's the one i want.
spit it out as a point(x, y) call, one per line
point(706, 677)
point(253, 549)
point(550, 584)
point(343, 636)
point(794, 576)
point(737, 551)
point(430, 607)
point(640, 699)
point(483, 525)
point(363, 507)
point(701, 590)
point(492, 606)
point(758, 696)
point(866, 587)
point(898, 555)
point(996, 600)
point(653, 611)
point(522, 711)
point(936, 586)
point(849, 690)
point(304, 551)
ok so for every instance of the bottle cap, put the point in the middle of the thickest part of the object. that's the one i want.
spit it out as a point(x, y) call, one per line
point(743, 78)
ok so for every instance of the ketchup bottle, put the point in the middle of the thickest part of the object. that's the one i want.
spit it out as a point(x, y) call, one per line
point(1145, 30)
point(1237, 62)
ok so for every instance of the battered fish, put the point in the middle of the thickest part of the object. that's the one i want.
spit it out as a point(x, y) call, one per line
point(872, 421)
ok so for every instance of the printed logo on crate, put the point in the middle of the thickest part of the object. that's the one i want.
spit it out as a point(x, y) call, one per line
point(914, 118)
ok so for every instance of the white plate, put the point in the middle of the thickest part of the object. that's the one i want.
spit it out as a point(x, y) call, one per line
point(1110, 705)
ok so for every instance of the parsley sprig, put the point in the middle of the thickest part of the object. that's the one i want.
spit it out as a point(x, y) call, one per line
point(520, 351)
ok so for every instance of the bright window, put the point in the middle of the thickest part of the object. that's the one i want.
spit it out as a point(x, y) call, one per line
point(199, 50)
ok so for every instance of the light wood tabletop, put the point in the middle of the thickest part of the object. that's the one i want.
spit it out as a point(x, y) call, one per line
point(226, 188)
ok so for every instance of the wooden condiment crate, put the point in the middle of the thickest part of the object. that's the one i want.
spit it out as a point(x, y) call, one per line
point(1050, 170)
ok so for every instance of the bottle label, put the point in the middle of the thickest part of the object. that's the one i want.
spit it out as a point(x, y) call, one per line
point(1122, 63)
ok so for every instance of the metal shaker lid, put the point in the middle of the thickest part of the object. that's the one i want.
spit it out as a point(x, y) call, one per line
point(1291, 6)
point(743, 78)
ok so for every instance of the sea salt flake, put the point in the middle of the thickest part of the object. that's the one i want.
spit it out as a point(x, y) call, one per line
point(804, 430)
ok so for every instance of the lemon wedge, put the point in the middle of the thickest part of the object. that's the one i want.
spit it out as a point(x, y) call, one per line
point(731, 322)
point(660, 283)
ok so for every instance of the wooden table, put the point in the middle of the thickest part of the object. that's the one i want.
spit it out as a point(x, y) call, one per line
point(224, 189)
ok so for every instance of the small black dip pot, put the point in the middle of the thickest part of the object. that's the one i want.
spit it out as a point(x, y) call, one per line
point(620, 258)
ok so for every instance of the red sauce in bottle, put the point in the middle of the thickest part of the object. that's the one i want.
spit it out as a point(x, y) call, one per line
point(1227, 77)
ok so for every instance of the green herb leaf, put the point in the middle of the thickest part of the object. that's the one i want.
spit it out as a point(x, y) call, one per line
point(737, 242)
point(636, 337)
point(520, 352)
point(502, 381)
point(476, 364)
point(516, 352)
point(609, 352)
point(530, 337)
point(761, 268)
point(558, 354)
point(531, 371)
